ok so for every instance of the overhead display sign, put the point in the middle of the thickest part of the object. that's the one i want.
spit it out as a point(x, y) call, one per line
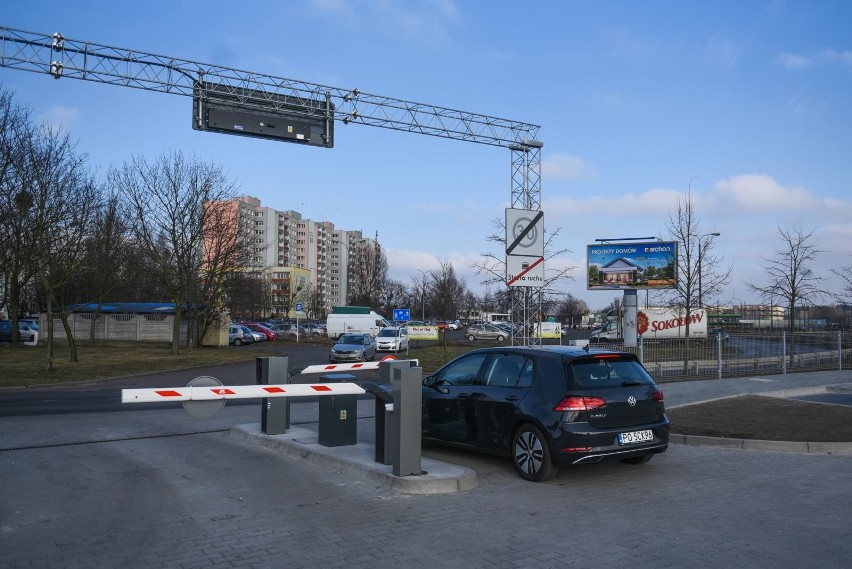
point(524, 247)
point(246, 112)
point(645, 265)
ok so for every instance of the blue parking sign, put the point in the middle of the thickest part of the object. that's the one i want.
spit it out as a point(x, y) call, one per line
point(298, 307)
point(401, 314)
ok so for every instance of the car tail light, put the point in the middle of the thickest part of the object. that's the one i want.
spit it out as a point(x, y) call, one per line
point(580, 403)
point(576, 449)
point(658, 396)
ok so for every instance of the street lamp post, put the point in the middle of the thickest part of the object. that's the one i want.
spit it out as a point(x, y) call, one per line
point(700, 260)
point(422, 295)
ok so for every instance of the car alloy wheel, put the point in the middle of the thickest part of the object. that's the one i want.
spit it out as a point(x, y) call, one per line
point(531, 455)
point(471, 337)
point(237, 342)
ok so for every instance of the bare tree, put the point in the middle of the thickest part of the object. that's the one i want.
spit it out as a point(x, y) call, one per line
point(845, 273)
point(447, 291)
point(492, 266)
point(104, 268)
point(17, 268)
point(701, 274)
point(420, 292)
point(393, 295)
point(370, 272)
point(166, 203)
point(523, 302)
point(791, 279)
point(65, 198)
point(572, 309)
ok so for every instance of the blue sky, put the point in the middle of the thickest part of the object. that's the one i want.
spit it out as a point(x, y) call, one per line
point(745, 102)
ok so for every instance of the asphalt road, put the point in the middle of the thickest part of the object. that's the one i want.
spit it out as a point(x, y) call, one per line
point(105, 395)
point(158, 489)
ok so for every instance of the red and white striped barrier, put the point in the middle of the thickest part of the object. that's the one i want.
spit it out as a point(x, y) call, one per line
point(150, 395)
point(325, 368)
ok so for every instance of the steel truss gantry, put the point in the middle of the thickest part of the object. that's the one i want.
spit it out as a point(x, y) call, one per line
point(62, 57)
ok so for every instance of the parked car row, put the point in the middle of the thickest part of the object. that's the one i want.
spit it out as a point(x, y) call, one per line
point(27, 332)
point(241, 333)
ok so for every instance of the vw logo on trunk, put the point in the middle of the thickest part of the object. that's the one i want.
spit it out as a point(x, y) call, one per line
point(631, 401)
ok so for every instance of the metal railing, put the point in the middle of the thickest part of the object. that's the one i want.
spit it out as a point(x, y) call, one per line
point(737, 355)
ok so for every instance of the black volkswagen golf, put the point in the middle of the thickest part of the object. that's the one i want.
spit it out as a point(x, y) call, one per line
point(546, 407)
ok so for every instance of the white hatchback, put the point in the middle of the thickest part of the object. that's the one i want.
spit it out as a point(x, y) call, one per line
point(392, 339)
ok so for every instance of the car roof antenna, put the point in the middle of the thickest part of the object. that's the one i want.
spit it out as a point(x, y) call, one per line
point(586, 347)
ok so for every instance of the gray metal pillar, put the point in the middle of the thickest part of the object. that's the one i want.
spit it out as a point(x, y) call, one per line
point(274, 411)
point(630, 315)
point(406, 385)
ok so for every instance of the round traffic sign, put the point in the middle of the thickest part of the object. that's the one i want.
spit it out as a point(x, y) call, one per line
point(204, 409)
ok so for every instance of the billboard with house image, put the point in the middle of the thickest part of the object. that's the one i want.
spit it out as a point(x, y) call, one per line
point(632, 265)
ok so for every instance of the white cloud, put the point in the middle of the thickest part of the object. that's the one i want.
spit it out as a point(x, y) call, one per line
point(824, 57)
point(722, 52)
point(759, 193)
point(416, 18)
point(563, 166)
point(791, 61)
point(62, 117)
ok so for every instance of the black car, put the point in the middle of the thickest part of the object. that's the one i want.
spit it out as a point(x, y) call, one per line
point(546, 407)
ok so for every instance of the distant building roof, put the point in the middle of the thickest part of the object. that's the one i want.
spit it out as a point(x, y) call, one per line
point(124, 307)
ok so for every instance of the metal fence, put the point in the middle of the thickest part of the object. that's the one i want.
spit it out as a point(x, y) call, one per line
point(685, 359)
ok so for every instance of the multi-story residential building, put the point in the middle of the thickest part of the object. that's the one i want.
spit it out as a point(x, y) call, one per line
point(302, 259)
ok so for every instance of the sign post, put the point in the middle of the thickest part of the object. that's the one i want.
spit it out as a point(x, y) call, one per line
point(298, 313)
point(524, 248)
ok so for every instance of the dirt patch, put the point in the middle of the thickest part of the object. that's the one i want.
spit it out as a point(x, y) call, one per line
point(764, 418)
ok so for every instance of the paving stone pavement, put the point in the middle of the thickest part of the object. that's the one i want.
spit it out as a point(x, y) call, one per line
point(112, 490)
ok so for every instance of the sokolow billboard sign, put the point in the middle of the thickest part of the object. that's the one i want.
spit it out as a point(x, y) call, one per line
point(641, 265)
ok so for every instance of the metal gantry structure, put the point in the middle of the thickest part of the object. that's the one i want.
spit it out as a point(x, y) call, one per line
point(61, 57)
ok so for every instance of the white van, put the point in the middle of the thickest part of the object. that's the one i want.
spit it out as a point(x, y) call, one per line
point(354, 319)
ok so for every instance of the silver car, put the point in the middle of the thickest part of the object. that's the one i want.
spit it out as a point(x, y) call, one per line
point(237, 336)
point(486, 332)
point(353, 348)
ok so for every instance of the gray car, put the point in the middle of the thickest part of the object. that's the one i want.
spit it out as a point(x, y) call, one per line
point(353, 348)
point(486, 332)
point(238, 336)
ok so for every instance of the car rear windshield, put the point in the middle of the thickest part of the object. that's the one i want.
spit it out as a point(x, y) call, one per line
point(607, 371)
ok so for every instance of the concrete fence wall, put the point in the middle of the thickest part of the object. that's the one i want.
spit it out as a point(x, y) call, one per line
point(116, 327)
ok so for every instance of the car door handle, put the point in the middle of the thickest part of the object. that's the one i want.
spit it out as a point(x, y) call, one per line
point(463, 395)
point(511, 398)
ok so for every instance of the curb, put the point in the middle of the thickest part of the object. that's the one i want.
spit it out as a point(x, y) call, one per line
point(838, 448)
point(438, 477)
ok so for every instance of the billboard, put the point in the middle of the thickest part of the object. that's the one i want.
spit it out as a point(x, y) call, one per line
point(644, 265)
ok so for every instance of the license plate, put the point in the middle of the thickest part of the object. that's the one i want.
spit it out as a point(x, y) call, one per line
point(635, 437)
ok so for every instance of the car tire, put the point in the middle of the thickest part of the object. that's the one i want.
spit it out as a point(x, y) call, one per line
point(471, 337)
point(238, 342)
point(500, 338)
point(638, 459)
point(531, 454)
